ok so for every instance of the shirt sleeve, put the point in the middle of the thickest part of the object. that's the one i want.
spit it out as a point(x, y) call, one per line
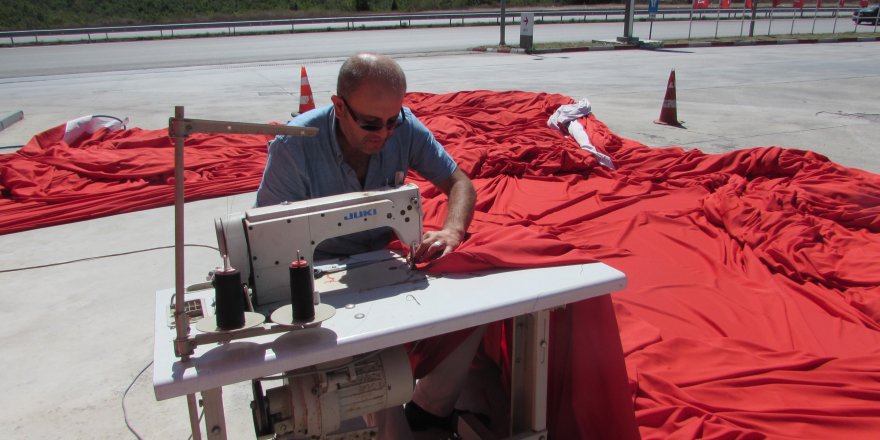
point(427, 156)
point(283, 180)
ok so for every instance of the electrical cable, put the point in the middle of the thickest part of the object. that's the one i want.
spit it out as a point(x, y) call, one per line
point(110, 117)
point(201, 414)
point(124, 412)
point(79, 260)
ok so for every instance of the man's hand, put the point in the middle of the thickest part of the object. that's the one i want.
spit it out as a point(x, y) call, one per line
point(460, 191)
point(436, 244)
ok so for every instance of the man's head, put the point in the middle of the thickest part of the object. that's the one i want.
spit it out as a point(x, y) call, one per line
point(369, 96)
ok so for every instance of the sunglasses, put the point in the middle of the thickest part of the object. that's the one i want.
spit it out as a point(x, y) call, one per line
point(375, 125)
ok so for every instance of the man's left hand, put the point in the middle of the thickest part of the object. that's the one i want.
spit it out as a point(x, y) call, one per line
point(436, 244)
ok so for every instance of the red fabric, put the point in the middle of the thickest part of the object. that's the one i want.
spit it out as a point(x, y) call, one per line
point(49, 182)
point(752, 308)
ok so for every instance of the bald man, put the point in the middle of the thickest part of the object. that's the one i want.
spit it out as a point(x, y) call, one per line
point(364, 139)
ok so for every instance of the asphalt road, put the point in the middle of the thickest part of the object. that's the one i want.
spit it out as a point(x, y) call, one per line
point(26, 61)
point(821, 96)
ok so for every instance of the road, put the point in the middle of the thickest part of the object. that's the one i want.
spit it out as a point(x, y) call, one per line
point(105, 57)
point(820, 97)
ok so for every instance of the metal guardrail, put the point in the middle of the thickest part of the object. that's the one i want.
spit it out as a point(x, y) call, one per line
point(350, 22)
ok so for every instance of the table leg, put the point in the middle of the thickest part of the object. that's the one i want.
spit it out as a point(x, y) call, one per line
point(215, 421)
point(528, 404)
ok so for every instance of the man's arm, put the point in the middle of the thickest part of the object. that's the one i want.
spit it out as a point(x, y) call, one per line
point(460, 211)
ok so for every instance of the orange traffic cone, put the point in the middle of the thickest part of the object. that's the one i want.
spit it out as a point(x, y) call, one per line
point(668, 113)
point(306, 101)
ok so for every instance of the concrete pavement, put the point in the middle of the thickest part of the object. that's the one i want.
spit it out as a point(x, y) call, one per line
point(78, 334)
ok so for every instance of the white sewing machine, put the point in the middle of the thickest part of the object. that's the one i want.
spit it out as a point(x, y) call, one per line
point(261, 242)
point(349, 362)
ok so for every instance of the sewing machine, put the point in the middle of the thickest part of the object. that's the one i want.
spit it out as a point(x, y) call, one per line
point(347, 362)
point(261, 242)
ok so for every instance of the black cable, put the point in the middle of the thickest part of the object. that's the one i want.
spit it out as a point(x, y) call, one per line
point(110, 117)
point(79, 260)
point(201, 414)
point(124, 412)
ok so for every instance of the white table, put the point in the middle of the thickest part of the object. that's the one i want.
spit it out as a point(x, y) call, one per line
point(371, 316)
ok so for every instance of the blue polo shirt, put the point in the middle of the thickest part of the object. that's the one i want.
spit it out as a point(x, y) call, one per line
point(300, 168)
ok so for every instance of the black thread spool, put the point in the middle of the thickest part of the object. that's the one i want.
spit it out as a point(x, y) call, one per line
point(302, 288)
point(228, 298)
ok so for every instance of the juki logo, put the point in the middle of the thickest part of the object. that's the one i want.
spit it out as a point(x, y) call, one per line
point(360, 214)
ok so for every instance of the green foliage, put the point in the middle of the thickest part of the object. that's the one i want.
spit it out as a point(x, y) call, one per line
point(46, 14)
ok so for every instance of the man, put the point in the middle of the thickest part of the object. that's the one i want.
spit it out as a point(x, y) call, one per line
point(365, 139)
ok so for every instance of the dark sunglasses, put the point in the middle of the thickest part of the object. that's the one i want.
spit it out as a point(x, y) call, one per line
point(375, 125)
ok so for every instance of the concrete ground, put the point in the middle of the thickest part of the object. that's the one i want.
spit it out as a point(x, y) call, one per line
point(79, 335)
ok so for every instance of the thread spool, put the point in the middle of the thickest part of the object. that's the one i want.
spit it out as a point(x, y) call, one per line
point(302, 288)
point(228, 297)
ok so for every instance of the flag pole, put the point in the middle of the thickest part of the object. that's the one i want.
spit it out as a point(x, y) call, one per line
point(836, 16)
point(690, 21)
point(770, 23)
point(816, 14)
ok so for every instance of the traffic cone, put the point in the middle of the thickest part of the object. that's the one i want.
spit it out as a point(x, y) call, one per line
point(306, 101)
point(668, 113)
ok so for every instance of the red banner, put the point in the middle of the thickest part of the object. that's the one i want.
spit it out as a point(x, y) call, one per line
point(748, 4)
point(776, 3)
point(863, 3)
point(797, 4)
point(818, 4)
point(701, 4)
point(725, 4)
point(841, 3)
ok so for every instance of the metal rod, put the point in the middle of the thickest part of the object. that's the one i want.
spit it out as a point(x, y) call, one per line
point(178, 129)
point(181, 321)
point(189, 126)
point(194, 416)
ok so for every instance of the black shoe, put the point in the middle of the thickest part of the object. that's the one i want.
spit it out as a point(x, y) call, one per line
point(421, 420)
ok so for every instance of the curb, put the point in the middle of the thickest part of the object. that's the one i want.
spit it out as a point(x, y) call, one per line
point(517, 50)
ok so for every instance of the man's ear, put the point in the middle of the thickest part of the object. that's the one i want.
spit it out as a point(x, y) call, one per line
point(337, 104)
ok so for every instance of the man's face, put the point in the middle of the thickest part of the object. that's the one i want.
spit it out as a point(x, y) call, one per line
point(368, 117)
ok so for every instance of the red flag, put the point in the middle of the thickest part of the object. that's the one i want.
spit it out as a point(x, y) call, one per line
point(776, 3)
point(797, 4)
point(748, 4)
point(725, 4)
point(863, 3)
point(701, 4)
point(818, 4)
point(841, 3)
